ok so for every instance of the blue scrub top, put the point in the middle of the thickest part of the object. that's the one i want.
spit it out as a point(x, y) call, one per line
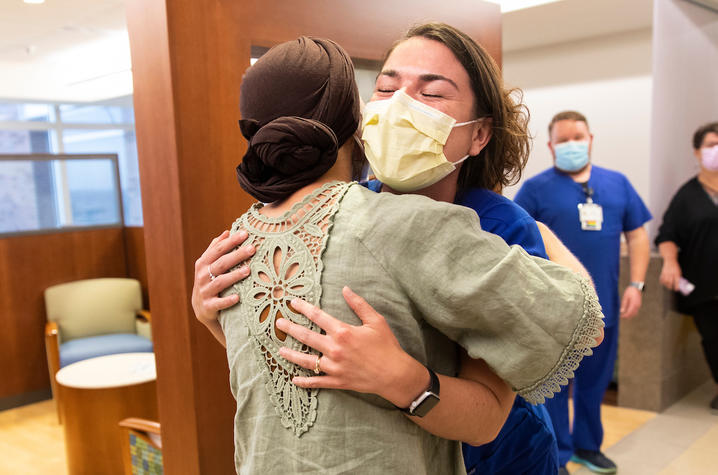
point(552, 197)
point(499, 215)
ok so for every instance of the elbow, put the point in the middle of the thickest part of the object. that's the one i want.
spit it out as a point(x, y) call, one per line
point(488, 431)
point(599, 338)
point(487, 435)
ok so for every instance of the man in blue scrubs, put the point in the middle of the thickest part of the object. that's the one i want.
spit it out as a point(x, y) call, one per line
point(589, 207)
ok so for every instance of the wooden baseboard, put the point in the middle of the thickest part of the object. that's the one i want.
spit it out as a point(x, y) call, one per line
point(8, 402)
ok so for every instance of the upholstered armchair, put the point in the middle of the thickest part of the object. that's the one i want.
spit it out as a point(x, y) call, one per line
point(141, 447)
point(94, 317)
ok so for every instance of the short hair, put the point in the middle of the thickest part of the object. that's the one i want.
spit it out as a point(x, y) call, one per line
point(701, 133)
point(503, 159)
point(567, 115)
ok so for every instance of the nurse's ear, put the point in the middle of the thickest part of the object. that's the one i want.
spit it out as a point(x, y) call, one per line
point(483, 130)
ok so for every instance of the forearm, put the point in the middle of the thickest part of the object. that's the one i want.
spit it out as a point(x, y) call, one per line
point(469, 410)
point(639, 254)
point(557, 252)
point(671, 270)
point(473, 406)
point(216, 329)
point(668, 251)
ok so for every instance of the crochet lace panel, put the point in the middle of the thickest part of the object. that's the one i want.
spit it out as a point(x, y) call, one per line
point(583, 339)
point(287, 264)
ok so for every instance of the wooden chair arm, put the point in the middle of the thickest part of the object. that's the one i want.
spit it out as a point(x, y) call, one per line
point(51, 329)
point(142, 425)
point(52, 347)
point(149, 431)
point(144, 315)
point(52, 350)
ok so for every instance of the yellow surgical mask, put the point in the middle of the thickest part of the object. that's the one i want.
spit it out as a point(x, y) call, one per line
point(404, 142)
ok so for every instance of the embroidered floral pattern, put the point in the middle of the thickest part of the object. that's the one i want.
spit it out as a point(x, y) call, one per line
point(286, 264)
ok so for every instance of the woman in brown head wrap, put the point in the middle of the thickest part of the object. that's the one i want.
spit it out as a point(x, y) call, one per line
point(295, 125)
point(444, 284)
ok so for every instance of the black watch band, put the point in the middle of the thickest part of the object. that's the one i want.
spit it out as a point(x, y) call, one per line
point(426, 400)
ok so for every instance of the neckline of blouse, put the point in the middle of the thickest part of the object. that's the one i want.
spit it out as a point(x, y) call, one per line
point(296, 207)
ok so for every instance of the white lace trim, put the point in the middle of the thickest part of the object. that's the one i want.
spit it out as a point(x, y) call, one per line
point(583, 339)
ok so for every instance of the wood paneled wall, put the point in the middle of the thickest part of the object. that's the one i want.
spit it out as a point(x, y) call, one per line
point(30, 264)
point(188, 57)
point(135, 258)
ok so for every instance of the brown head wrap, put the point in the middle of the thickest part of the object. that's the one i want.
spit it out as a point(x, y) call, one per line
point(299, 104)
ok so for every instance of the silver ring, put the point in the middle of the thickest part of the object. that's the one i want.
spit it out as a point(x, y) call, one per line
point(211, 275)
point(317, 368)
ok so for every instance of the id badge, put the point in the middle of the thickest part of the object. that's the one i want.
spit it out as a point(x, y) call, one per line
point(591, 216)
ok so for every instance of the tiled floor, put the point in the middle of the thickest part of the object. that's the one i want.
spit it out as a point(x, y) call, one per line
point(683, 440)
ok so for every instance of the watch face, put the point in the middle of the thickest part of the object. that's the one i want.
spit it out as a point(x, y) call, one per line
point(427, 403)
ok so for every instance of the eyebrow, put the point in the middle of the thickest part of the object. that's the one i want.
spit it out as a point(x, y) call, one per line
point(423, 78)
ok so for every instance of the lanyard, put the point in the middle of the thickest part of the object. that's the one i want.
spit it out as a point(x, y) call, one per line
point(588, 191)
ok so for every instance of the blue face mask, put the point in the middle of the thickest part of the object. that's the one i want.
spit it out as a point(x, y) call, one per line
point(571, 156)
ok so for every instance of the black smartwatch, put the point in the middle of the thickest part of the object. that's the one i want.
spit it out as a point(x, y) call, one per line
point(426, 401)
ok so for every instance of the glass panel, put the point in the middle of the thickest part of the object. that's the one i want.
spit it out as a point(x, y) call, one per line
point(256, 52)
point(93, 192)
point(26, 112)
point(365, 73)
point(27, 141)
point(34, 193)
point(96, 114)
point(19, 204)
point(121, 142)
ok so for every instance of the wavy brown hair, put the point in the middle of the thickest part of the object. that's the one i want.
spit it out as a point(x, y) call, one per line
point(503, 159)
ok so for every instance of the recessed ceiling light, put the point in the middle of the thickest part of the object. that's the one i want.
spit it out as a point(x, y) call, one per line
point(513, 5)
point(34, 1)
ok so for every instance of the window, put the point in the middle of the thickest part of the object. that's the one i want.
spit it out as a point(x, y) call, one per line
point(26, 112)
point(41, 128)
point(119, 141)
point(49, 192)
point(96, 114)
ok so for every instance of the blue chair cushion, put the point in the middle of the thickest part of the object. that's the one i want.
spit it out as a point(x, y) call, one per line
point(84, 348)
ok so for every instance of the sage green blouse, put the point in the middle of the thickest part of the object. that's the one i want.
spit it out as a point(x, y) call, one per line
point(440, 282)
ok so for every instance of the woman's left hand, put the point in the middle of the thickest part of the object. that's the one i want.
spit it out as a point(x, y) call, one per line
point(366, 358)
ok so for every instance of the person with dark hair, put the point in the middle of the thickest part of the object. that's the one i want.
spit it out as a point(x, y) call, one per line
point(426, 65)
point(443, 283)
point(688, 243)
point(589, 208)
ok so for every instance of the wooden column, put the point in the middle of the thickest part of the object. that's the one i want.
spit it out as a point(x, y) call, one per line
point(188, 57)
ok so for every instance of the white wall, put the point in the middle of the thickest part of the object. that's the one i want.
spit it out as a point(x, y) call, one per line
point(608, 79)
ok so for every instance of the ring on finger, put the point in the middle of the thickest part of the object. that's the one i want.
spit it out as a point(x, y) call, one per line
point(209, 271)
point(317, 366)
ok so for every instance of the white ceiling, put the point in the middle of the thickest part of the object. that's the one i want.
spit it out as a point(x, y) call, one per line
point(78, 50)
point(572, 20)
point(55, 26)
point(73, 50)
